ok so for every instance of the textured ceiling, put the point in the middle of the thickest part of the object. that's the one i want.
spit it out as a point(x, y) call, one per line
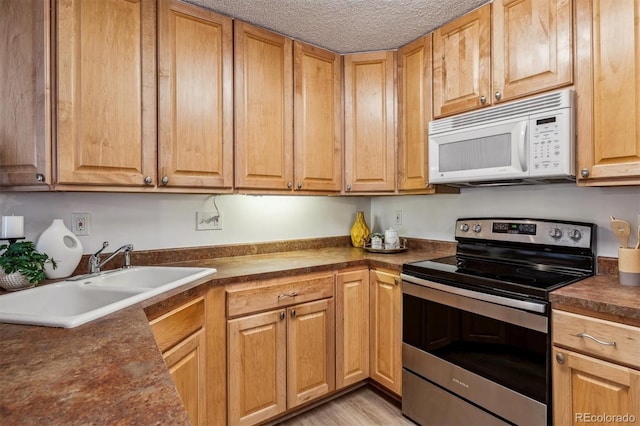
point(346, 26)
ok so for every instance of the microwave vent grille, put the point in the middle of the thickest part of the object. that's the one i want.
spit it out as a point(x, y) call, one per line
point(556, 100)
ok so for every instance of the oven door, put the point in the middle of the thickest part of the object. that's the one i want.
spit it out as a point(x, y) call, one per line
point(482, 355)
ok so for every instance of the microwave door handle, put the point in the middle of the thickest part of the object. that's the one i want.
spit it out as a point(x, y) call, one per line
point(522, 145)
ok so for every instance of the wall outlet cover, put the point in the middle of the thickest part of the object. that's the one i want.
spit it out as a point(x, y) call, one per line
point(208, 221)
point(397, 219)
point(80, 223)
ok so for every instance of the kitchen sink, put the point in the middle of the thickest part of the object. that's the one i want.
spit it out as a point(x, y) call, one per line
point(144, 277)
point(79, 300)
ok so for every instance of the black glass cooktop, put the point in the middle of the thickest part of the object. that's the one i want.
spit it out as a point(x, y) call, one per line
point(494, 275)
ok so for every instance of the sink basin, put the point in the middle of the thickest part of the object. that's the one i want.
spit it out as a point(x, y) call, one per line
point(145, 277)
point(77, 301)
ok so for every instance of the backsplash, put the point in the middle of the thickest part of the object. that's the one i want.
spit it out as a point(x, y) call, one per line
point(163, 221)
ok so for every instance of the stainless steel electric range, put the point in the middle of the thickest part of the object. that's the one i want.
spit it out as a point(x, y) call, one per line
point(476, 326)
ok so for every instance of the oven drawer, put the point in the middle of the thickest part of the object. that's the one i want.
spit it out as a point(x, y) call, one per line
point(603, 339)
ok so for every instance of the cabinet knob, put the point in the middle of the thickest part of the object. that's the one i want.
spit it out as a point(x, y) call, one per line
point(584, 173)
point(289, 185)
point(483, 100)
point(39, 177)
point(165, 180)
point(560, 358)
point(498, 95)
point(293, 313)
point(299, 185)
point(396, 281)
point(148, 180)
point(348, 187)
point(426, 184)
point(282, 315)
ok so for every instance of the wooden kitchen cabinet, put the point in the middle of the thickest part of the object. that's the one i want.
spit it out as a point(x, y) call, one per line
point(318, 119)
point(386, 330)
point(462, 63)
point(257, 366)
point(532, 47)
point(532, 52)
point(608, 88)
point(25, 127)
point(281, 345)
point(414, 113)
point(106, 126)
point(310, 351)
point(370, 136)
point(587, 386)
point(180, 334)
point(263, 87)
point(592, 378)
point(195, 89)
point(352, 327)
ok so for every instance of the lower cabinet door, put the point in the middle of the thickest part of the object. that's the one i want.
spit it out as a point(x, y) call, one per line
point(311, 351)
point(385, 312)
point(352, 327)
point(186, 362)
point(257, 362)
point(589, 390)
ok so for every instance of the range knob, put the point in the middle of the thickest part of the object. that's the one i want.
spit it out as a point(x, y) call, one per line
point(477, 228)
point(575, 234)
point(464, 227)
point(555, 233)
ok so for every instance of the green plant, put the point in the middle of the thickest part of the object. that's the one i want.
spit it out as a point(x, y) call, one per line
point(23, 257)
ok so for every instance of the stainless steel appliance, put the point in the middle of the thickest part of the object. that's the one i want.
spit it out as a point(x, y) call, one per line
point(476, 326)
point(525, 141)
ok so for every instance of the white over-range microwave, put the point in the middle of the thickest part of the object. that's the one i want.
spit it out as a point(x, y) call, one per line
point(522, 142)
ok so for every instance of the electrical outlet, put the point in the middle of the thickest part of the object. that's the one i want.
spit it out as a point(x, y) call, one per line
point(398, 218)
point(80, 223)
point(208, 220)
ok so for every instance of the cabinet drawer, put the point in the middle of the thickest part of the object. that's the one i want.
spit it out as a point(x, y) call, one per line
point(568, 326)
point(259, 296)
point(179, 323)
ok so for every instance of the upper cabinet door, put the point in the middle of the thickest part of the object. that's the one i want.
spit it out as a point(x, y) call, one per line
point(318, 119)
point(608, 87)
point(370, 143)
point(106, 105)
point(195, 63)
point(414, 113)
point(462, 63)
point(532, 47)
point(25, 136)
point(263, 109)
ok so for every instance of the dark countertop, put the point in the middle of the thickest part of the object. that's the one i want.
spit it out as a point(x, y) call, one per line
point(601, 296)
point(110, 371)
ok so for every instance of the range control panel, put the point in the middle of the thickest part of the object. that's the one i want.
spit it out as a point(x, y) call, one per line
point(533, 231)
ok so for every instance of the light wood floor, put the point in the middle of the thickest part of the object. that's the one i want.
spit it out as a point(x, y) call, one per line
point(362, 407)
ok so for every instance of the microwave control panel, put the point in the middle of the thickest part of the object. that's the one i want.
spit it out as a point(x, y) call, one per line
point(552, 147)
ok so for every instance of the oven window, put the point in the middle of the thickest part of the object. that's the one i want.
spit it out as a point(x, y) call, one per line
point(510, 355)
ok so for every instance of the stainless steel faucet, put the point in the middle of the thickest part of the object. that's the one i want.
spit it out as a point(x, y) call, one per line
point(94, 260)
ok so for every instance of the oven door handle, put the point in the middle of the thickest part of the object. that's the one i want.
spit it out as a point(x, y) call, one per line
point(486, 297)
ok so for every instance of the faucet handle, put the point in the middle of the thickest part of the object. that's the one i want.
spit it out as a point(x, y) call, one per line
point(94, 259)
point(104, 246)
